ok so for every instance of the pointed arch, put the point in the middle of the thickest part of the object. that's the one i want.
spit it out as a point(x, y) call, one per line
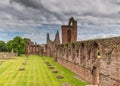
point(69, 35)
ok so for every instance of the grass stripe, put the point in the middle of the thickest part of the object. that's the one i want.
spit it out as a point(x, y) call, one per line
point(36, 73)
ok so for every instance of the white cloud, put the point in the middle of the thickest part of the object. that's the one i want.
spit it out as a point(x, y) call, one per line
point(26, 15)
point(4, 2)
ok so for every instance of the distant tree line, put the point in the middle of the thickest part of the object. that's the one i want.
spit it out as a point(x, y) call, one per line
point(17, 45)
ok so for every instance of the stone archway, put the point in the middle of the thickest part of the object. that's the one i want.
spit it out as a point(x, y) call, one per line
point(73, 52)
point(82, 53)
point(95, 51)
point(67, 50)
point(95, 77)
point(95, 59)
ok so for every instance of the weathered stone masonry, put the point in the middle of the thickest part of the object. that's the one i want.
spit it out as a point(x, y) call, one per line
point(82, 58)
point(69, 32)
point(34, 48)
point(96, 61)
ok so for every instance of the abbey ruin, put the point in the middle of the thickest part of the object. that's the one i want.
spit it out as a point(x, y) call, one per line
point(96, 61)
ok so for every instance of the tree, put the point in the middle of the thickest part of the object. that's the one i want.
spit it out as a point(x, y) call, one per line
point(18, 45)
point(9, 45)
point(27, 40)
point(2, 46)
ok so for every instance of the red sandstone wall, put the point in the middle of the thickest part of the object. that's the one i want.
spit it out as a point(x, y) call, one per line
point(71, 57)
point(64, 35)
point(110, 72)
point(81, 58)
point(84, 73)
point(73, 34)
point(34, 49)
point(69, 31)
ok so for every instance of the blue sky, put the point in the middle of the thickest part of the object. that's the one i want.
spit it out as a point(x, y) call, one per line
point(34, 18)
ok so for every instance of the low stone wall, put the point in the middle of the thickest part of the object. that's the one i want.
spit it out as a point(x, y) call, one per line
point(6, 55)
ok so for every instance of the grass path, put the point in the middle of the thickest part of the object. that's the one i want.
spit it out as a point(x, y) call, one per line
point(36, 73)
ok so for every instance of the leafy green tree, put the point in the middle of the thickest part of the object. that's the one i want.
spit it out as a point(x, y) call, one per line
point(9, 45)
point(27, 40)
point(2, 46)
point(18, 45)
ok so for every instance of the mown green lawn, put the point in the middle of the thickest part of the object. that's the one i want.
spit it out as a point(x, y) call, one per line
point(36, 73)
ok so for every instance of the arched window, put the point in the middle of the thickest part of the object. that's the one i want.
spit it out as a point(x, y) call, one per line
point(69, 35)
point(95, 51)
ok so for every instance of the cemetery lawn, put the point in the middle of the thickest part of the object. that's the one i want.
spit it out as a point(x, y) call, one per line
point(36, 73)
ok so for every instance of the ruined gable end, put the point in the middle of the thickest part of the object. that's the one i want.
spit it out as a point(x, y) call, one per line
point(69, 32)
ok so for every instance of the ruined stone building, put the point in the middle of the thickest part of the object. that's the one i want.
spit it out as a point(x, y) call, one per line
point(51, 45)
point(47, 49)
point(69, 32)
point(96, 61)
point(34, 48)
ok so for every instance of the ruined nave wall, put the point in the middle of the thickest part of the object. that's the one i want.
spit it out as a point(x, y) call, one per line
point(110, 62)
point(82, 58)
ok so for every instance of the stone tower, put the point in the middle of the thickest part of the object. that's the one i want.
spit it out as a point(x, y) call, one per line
point(48, 38)
point(69, 32)
point(57, 39)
